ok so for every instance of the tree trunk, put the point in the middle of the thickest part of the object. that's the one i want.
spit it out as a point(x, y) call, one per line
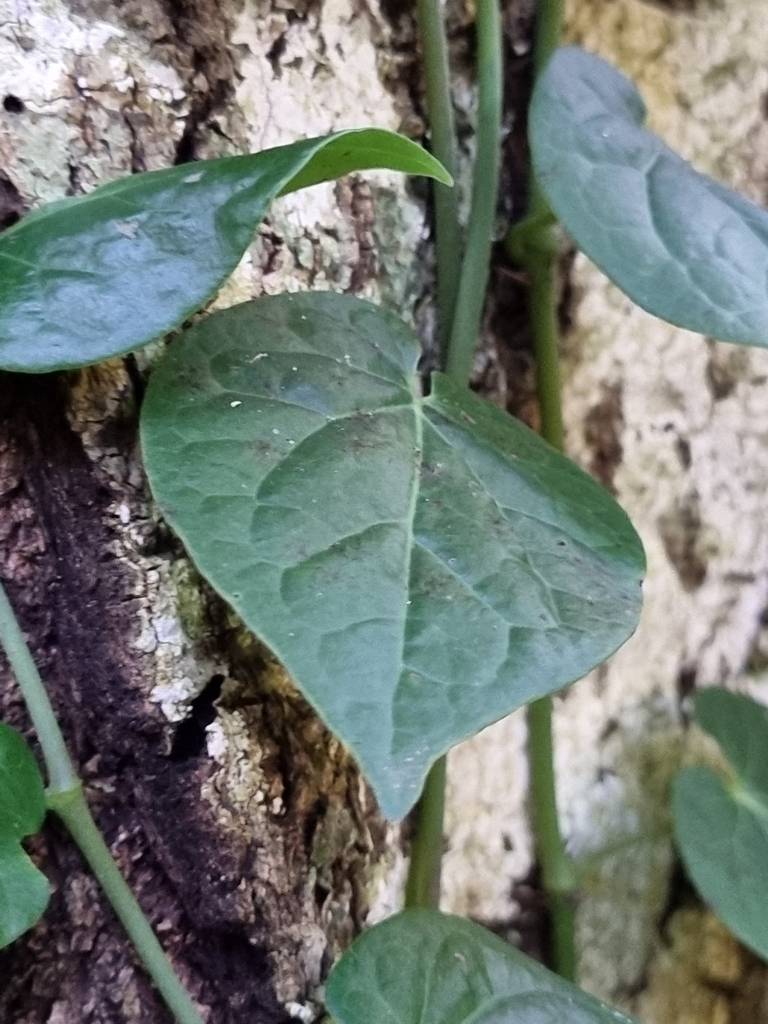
point(242, 826)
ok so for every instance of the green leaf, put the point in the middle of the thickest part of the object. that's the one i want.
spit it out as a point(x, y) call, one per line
point(23, 889)
point(421, 566)
point(721, 825)
point(543, 1008)
point(679, 244)
point(423, 967)
point(93, 277)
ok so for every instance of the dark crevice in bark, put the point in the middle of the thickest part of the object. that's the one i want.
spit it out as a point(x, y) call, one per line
point(13, 105)
point(529, 927)
point(201, 33)
point(12, 206)
point(189, 737)
point(509, 373)
point(135, 120)
point(74, 602)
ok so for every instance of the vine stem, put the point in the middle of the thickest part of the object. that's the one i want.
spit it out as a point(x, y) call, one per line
point(549, 31)
point(65, 798)
point(485, 190)
point(558, 876)
point(62, 777)
point(538, 253)
point(422, 887)
point(460, 306)
point(434, 48)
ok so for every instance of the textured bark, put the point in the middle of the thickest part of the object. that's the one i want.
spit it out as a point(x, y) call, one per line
point(242, 826)
point(675, 426)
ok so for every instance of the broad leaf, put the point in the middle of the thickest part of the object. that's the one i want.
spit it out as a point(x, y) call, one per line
point(421, 566)
point(423, 967)
point(23, 889)
point(96, 276)
point(679, 244)
point(721, 825)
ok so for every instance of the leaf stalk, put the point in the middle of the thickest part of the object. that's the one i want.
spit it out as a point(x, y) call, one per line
point(558, 876)
point(485, 189)
point(62, 776)
point(442, 131)
point(531, 243)
point(422, 888)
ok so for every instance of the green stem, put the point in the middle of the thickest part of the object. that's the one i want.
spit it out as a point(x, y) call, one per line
point(61, 773)
point(485, 188)
point(434, 47)
point(422, 889)
point(542, 304)
point(65, 797)
point(558, 877)
point(460, 307)
point(549, 31)
point(73, 811)
point(539, 255)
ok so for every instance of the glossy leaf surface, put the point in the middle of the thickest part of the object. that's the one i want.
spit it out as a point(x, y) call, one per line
point(423, 967)
point(421, 566)
point(721, 825)
point(680, 244)
point(88, 278)
point(23, 889)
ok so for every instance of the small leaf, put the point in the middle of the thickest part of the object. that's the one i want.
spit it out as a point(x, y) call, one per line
point(93, 277)
point(23, 889)
point(721, 825)
point(421, 566)
point(678, 243)
point(423, 967)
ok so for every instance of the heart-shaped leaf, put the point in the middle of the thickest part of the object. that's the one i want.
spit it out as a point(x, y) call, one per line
point(679, 244)
point(93, 277)
point(721, 825)
point(421, 566)
point(23, 889)
point(423, 967)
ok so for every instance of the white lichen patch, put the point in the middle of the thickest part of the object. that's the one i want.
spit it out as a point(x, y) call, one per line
point(305, 77)
point(323, 79)
point(89, 89)
point(165, 592)
point(489, 843)
point(241, 782)
point(387, 882)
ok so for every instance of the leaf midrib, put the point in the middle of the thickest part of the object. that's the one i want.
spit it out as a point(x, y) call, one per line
point(417, 405)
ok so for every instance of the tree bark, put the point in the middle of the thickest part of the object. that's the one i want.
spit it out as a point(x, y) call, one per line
point(674, 424)
point(243, 828)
